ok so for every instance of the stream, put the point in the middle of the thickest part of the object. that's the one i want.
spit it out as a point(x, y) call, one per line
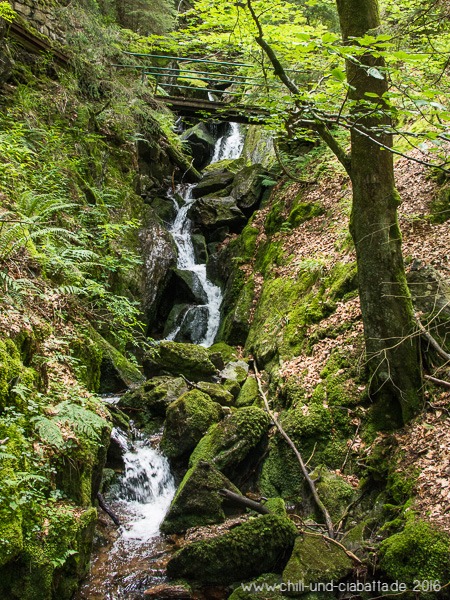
point(130, 559)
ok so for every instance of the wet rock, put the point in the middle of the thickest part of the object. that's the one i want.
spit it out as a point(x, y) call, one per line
point(260, 545)
point(236, 444)
point(187, 420)
point(188, 286)
point(201, 144)
point(165, 591)
point(214, 212)
point(160, 255)
point(197, 501)
point(164, 208)
point(213, 182)
point(216, 392)
point(179, 359)
point(200, 249)
point(194, 325)
point(315, 560)
point(152, 398)
point(248, 188)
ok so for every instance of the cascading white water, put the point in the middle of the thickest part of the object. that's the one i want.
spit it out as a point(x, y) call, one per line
point(229, 146)
point(181, 231)
point(125, 563)
point(146, 488)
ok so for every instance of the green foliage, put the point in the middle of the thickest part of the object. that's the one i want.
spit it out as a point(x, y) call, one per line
point(6, 12)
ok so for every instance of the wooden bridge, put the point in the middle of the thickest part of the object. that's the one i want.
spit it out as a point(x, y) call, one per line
point(223, 111)
point(216, 82)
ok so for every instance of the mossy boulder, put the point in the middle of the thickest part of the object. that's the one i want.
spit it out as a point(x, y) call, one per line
point(197, 501)
point(249, 393)
point(236, 308)
point(175, 358)
point(419, 552)
point(187, 420)
point(214, 212)
point(236, 444)
point(116, 371)
point(213, 182)
point(152, 398)
point(216, 392)
point(236, 370)
point(201, 143)
point(248, 187)
point(54, 559)
point(315, 560)
point(228, 353)
point(260, 545)
point(265, 587)
point(440, 205)
point(334, 491)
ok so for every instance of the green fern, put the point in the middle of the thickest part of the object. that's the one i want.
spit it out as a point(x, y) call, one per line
point(48, 431)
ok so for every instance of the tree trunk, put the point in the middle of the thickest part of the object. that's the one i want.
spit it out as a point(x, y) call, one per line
point(393, 355)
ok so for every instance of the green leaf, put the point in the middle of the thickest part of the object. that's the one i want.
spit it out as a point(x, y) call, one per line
point(338, 74)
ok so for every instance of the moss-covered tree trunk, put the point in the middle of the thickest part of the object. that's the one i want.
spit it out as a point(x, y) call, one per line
point(392, 349)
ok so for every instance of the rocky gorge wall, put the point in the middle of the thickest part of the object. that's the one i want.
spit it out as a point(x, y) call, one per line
point(41, 15)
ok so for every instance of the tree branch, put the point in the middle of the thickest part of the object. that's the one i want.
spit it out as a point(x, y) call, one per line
point(310, 482)
point(433, 343)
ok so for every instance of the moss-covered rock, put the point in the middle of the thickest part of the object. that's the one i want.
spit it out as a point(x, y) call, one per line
point(116, 372)
point(315, 560)
point(54, 558)
point(175, 358)
point(152, 398)
point(419, 552)
point(236, 308)
point(228, 353)
point(216, 392)
point(265, 587)
point(248, 187)
point(335, 492)
point(303, 211)
point(236, 370)
point(260, 545)
point(212, 212)
point(12, 372)
point(440, 206)
point(235, 444)
point(249, 393)
point(188, 419)
point(232, 386)
point(197, 501)
point(213, 182)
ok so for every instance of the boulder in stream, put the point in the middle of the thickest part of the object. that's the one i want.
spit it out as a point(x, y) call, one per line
point(236, 444)
point(213, 182)
point(201, 143)
point(187, 420)
point(197, 501)
point(213, 212)
point(173, 358)
point(152, 398)
point(258, 546)
point(247, 186)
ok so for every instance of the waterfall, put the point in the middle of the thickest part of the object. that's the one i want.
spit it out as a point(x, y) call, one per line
point(230, 145)
point(146, 488)
point(125, 562)
point(227, 147)
point(181, 232)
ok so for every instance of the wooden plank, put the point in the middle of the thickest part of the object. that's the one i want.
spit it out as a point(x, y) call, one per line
point(194, 107)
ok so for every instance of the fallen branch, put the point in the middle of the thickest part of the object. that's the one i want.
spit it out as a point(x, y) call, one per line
point(441, 382)
point(333, 541)
point(107, 510)
point(310, 482)
point(239, 500)
point(433, 343)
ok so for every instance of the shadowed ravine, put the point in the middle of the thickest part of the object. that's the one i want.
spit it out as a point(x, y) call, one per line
point(131, 559)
